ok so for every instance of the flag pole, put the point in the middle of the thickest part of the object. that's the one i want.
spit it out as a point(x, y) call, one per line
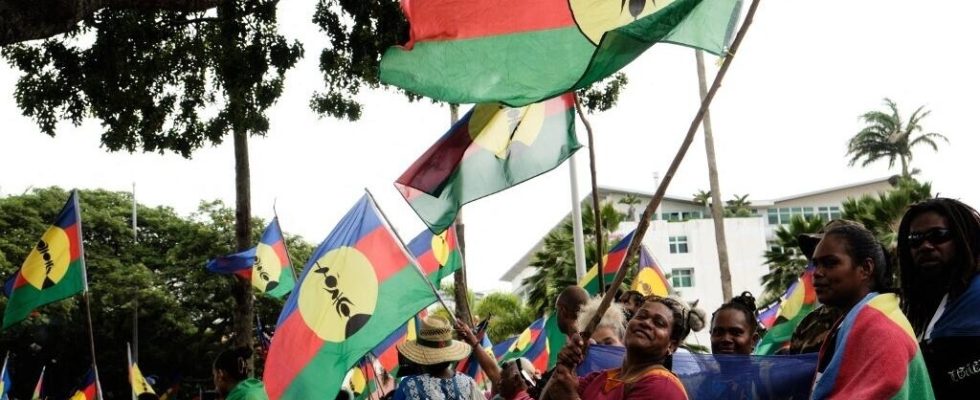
point(401, 243)
point(576, 220)
point(129, 370)
point(644, 222)
point(285, 246)
point(136, 301)
point(87, 297)
point(460, 286)
point(597, 220)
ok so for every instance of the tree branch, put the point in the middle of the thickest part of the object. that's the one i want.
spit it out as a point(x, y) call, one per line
point(23, 20)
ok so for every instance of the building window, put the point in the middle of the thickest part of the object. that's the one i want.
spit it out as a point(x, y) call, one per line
point(678, 244)
point(783, 216)
point(682, 277)
point(678, 216)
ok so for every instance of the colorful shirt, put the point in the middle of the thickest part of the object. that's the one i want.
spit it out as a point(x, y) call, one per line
point(428, 387)
point(657, 384)
point(249, 389)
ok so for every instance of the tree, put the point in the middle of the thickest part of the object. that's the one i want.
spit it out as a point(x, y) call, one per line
point(784, 259)
point(508, 315)
point(738, 206)
point(166, 80)
point(555, 262)
point(885, 135)
point(883, 212)
point(183, 310)
point(702, 198)
point(630, 200)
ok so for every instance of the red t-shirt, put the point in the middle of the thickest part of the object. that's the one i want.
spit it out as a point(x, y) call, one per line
point(656, 384)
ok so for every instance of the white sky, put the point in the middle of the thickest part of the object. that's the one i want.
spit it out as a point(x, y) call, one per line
point(782, 119)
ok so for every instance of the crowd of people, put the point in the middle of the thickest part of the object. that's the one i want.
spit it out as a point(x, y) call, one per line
point(882, 331)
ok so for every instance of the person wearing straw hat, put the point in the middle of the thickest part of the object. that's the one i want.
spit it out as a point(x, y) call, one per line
point(436, 351)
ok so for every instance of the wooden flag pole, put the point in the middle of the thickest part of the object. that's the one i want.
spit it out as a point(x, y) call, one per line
point(596, 212)
point(401, 245)
point(460, 286)
point(644, 222)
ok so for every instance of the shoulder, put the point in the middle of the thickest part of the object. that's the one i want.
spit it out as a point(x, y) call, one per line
point(660, 381)
point(249, 389)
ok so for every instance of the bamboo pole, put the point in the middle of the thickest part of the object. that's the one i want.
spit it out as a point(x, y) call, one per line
point(597, 219)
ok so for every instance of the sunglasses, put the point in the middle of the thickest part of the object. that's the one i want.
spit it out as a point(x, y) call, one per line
point(934, 236)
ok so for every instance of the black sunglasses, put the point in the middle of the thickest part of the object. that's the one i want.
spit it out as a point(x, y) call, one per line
point(934, 236)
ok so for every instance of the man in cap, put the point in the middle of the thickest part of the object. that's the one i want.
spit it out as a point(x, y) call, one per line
point(810, 334)
point(436, 351)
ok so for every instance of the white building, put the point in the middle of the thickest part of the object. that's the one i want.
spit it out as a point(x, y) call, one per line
point(682, 238)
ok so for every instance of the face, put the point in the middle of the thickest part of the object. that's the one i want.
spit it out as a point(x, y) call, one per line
point(607, 336)
point(732, 334)
point(931, 243)
point(838, 280)
point(649, 330)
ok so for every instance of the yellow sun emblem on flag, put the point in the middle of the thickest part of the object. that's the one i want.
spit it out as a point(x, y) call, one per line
point(596, 17)
point(266, 271)
point(494, 126)
point(48, 261)
point(440, 248)
point(339, 295)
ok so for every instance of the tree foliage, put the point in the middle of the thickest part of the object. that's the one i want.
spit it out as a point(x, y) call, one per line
point(886, 136)
point(883, 212)
point(784, 259)
point(738, 206)
point(508, 315)
point(184, 311)
point(555, 262)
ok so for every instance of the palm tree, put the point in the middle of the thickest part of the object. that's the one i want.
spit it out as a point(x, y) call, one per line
point(738, 206)
point(555, 262)
point(702, 198)
point(509, 316)
point(882, 213)
point(630, 200)
point(784, 259)
point(886, 136)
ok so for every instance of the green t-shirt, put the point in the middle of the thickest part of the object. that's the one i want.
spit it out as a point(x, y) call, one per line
point(249, 389)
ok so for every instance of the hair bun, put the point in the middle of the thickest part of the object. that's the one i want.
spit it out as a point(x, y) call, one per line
point(746, 299)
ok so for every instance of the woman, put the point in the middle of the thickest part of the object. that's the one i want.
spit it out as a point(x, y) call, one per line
point(871, 353)
point(231, 376)
point(652, 336)
point(734, 329)
point(938, 250)
point(436, 351)
point(612, 327)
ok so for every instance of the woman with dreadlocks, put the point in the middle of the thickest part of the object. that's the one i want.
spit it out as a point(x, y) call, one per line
point(938, 246)
point(659, 326)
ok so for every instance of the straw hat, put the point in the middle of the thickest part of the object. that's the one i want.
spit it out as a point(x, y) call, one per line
point(435, 343)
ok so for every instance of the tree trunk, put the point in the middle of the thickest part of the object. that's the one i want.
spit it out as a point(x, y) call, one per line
point(460, 290)
point(717, 214)
point(905, 167)
point(242, 289)
point(22, 20)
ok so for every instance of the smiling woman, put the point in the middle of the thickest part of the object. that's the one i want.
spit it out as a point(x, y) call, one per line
point(652, 336)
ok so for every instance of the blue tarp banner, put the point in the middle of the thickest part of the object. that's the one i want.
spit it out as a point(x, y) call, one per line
point(711, 377)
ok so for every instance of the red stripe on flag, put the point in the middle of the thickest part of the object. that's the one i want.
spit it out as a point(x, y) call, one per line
point(559, 105)
point(383, 253)
point(428, 263)
point(613, 262)
point(75, 244)
point(293, 347)
point(389, 359)
point(280, 248)
point(455, 19)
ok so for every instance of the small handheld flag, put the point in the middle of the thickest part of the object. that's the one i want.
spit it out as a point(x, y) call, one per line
point(39, 387)
point(88, 389)
point(136, 379)
point(650, 280)
point(267, 265)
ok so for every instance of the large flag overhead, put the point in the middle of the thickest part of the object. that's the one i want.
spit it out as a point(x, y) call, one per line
point(650, 280)
point(611, 263)
point(267, 265)
point(54, 269)
point(88, 389)
point(490, 149)
point(438, 255)
point(794, 305)
point(358, 287)
point(519, 52)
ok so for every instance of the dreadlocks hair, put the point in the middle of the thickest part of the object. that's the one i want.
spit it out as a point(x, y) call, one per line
point(861, 245)
point(234, 362)
point(744, 303)
point(964, 222)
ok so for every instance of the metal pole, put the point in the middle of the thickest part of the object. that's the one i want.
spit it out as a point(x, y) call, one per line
point(577, 220)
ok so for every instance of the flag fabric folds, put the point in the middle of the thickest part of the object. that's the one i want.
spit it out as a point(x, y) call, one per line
point(794, 305)
point(88, 389)
point(490, 149)
point(53, 270)
point(520, 52)
point(358, 286)
point(437, 254)
point(5, 381)
point(267, 265)
point(531, 344)
point(611, 263)
point(874, 336)
point(650, 279)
